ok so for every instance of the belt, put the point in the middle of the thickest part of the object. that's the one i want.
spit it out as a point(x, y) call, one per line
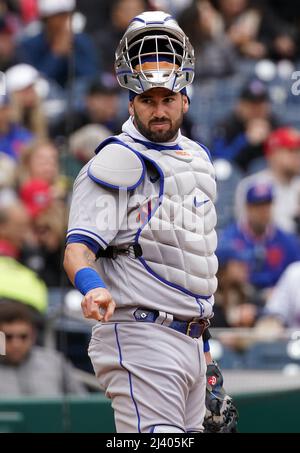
point(193, 329)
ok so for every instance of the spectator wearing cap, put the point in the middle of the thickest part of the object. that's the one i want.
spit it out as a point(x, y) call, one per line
point(52, 50)
point(13, 136)
point(21, 84)
point(282, 151)
point(240, 138)
point(236, 300)
point(27, 369)
point(270, 248)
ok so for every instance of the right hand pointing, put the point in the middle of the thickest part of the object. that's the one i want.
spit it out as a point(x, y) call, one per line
point(94, 300)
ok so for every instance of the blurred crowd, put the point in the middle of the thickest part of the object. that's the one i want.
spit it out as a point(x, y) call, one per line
point(59, 99)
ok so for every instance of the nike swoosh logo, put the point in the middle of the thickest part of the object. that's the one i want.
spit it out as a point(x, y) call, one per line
point(199, 203)
point(154, 179)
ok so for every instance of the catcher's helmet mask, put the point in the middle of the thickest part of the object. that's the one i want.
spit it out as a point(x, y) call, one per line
point(157, 38)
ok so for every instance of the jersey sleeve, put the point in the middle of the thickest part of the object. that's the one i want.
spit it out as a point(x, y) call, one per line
point(96, 212)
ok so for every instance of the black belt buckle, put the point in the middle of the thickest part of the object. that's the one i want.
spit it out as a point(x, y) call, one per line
point(195, 329)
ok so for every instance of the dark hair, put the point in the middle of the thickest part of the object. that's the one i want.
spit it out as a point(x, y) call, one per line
point(189, 21)
point(254, 90)
point(115, 3)
point(100, 87)
point(11, 311)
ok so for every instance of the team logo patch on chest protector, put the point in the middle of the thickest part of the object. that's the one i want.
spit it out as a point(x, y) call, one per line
point(178, 238)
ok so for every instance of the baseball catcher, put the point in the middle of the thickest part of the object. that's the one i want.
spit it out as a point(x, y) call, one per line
point(141, 242)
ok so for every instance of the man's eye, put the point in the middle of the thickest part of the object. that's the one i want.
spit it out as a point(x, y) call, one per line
point(169, 100)
point(146, 101)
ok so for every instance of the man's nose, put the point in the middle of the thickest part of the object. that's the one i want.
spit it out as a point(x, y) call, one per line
point(159, 110)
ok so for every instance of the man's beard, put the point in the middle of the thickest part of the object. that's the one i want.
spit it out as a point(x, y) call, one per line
point(158, 136)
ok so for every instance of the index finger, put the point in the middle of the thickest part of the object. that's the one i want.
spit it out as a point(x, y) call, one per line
point(110, 310)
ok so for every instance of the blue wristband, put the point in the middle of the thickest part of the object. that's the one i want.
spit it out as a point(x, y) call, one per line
point(206, 347)
point(87, 279)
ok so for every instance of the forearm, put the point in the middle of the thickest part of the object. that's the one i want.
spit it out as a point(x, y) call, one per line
point(77, 257)
point(79, 264)
point(208, 357)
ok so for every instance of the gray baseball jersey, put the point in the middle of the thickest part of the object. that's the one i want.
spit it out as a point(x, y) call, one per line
point(154, 375)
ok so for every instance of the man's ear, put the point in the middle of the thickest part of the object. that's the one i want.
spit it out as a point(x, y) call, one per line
point(130, 108)
point(185, 104)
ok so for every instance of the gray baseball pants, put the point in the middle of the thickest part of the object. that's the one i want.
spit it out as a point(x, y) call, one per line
point(154, 375)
